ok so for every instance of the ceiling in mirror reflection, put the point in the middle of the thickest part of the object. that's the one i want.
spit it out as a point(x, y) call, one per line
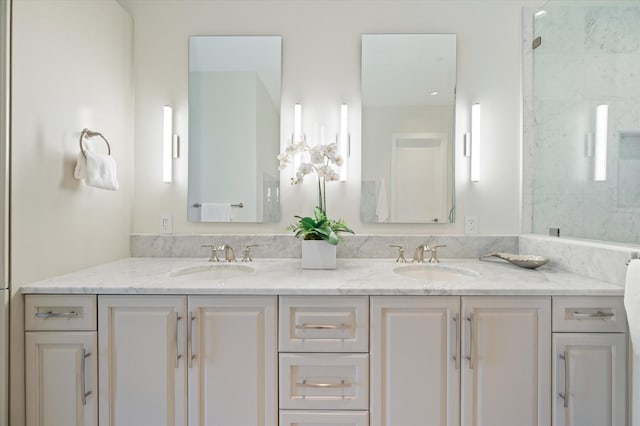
point(409, 75)
point(408, 110)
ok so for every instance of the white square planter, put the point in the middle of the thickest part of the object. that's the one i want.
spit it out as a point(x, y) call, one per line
point(318, 254)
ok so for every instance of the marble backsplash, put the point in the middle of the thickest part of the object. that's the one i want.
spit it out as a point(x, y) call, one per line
point(353, 246)
point(594, 259)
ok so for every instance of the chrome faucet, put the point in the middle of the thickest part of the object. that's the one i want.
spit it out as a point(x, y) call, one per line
point(418, 254)
point(214, 252)
point(229, 254)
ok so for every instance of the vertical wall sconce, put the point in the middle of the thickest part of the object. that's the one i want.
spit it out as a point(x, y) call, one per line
point(344, 140)
point(167, 145)
point(600, 149)
point(297, 124)
point(476, 142)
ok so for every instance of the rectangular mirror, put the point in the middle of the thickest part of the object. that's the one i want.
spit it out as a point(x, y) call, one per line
point(234, 128)
point(408, 114)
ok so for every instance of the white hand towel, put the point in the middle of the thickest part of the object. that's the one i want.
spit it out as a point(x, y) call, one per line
point(632, 303)
point(382, 206)
point(97, 170)
point(215, 212)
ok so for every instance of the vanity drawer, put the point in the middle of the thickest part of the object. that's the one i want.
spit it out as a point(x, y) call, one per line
point(60, 312)
point(315, 418)
point(598, 314)
point(324, 324)
point(324, 381)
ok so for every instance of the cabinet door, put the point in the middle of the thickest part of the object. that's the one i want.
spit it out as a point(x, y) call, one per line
point(141, 363)
point(415, 363)
point(61, 372)
point(589, 385)
point(233, 367)
point(506, 376)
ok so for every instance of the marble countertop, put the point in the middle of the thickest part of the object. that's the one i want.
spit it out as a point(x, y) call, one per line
point(353, 276)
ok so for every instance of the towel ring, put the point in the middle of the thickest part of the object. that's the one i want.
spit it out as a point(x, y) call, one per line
point(89, 134)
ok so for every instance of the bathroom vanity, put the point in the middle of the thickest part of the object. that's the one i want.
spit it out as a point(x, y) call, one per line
point(185, 342)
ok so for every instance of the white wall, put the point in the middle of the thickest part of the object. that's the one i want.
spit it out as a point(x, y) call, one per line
point(72, 68)
point(321, 69)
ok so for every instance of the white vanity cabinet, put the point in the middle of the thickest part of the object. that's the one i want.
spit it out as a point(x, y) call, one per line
point(197, 360)
point(324, 360)
point(415, 362)
point(589, 361)
point(506, 370)
point(61, 360)
point(233, 368)
point(142, 359)
point(475, 361)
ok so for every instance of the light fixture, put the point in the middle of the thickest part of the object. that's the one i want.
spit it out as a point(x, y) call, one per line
point(434, 93)
point(167, 145)
point(297, 124)
point(600, 149)
point(344, 140)
point(475, 142)
point(540, 13)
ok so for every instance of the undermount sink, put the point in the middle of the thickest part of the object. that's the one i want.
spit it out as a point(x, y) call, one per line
point(430, 272)
point(211, 271)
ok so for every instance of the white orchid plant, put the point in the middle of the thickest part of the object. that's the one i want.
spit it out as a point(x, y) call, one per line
point(324, 161)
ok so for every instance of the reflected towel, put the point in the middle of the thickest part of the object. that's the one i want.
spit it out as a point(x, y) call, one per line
point(97, 170)
point(215, 212)
point(382, 206)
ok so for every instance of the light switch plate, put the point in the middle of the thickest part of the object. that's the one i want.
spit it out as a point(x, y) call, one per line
point(470, 225)
point(166, 224)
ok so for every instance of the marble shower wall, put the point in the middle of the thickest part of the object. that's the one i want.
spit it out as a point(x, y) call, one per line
point(590, 55)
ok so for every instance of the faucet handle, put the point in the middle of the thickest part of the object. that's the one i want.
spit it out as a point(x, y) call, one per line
point(400, 247)
point(246, 253)
point(434, 252)
point(214, 252)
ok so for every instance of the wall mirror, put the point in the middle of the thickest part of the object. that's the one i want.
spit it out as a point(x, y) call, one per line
point(234, 128)
point(408, 112)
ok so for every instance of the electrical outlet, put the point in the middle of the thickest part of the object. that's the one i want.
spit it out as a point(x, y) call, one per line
point(470, 225)
point(166, 224)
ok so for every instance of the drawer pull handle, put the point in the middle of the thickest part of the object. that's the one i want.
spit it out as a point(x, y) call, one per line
point(306, 384)
point(322, 327)
point(599, 314)
point(49, 314)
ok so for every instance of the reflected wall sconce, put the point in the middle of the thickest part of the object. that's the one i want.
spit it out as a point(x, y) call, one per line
point(343, 137)
point(600, 148)
point(170, 144)
point(475, 142)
